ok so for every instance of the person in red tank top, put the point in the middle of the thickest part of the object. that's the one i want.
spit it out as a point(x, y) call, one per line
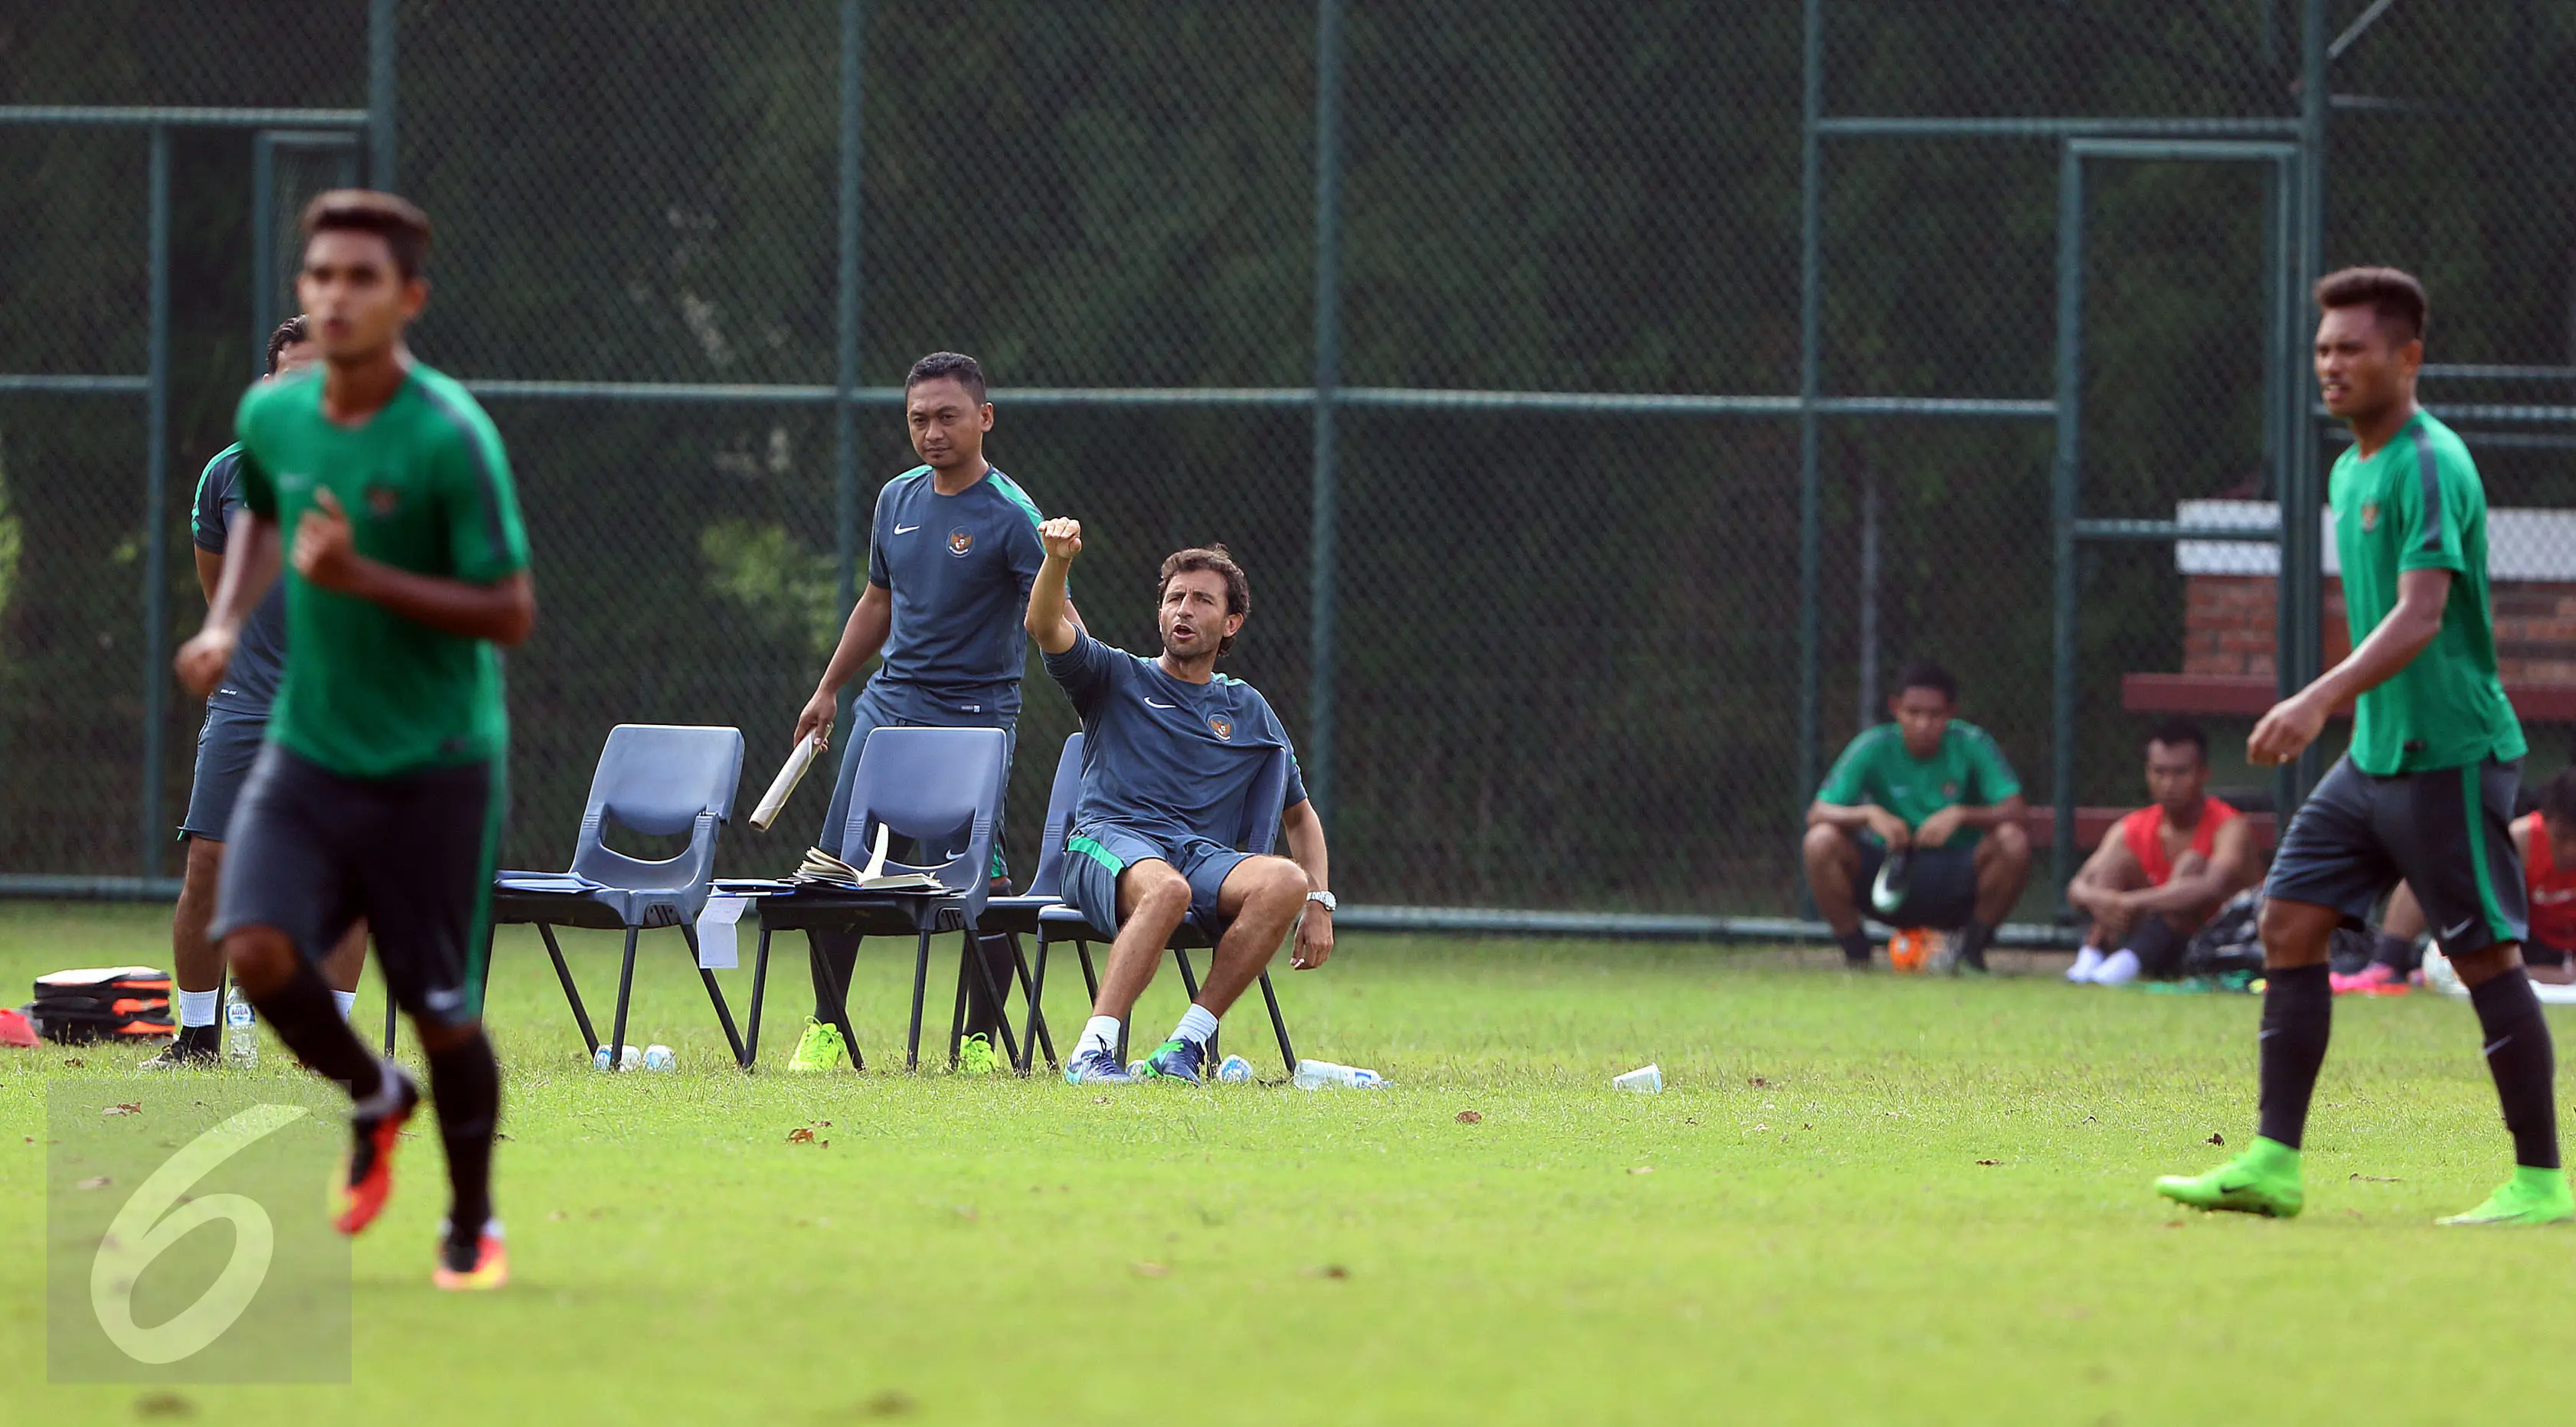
point(2163, 869)
point(2546, 837)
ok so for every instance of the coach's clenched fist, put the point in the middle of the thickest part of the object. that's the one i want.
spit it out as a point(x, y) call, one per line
point(1061, 538)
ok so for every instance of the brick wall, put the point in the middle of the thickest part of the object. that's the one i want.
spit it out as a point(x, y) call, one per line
point(2230, 623)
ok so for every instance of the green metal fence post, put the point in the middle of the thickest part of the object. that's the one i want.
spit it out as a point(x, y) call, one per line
point(1323, 570)
point(263, 248)
point(1810, 388)
point(845, 413)
point(2301, 647)
point(156, 501)
point(2063, 503)
point(382, 52)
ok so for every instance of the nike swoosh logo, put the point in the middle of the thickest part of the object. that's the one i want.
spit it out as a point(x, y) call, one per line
point(2450, 932)
point(2497, 1046)
point(905, 529)
point(2237, 1188)
point(1149, 703)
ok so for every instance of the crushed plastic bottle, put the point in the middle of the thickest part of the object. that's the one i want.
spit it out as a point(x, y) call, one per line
point(1322, 1074)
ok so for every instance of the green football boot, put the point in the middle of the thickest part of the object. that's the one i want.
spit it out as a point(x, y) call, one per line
point(820, 1050)
point(2532, 1197)
point(2263, 1180)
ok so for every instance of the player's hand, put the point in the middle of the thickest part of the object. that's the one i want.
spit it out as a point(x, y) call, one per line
point(2286, 731)
point(816, 721)
point(1940, 827)
point(1890, 828)
point(203, 659)
point(1314, 939)
point(324, 554)
point(1061, 538)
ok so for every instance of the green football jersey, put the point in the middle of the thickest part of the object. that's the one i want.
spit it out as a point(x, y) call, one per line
point(427, 489)
point(2417, 504)
point(1966, 769)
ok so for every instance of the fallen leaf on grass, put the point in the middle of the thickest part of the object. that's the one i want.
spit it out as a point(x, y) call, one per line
point(1758, 1081)
point(1470, 1117)
point(2379, 1179)
point(131, 1107)
point(1147, 1268)
point(2215, 1139)
point(800, 1136)
point(1330, 1270)
point(163, 1404)
point(73, 1062)
point(99, 1183)
point(1990, 1163)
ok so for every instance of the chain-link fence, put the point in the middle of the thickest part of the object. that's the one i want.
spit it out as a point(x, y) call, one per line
point(1681, 369)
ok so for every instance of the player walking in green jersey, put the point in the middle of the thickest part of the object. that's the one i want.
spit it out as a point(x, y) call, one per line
point(379, 792)
point(2426, 792)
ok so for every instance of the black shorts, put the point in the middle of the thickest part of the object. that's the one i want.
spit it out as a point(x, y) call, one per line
point(226, 747)
point(313, 850)
point(1940, 886)
point(2444, 831)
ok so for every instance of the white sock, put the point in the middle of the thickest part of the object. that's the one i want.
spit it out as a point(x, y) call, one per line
point(1099, 1033)
point(2118, 968)
point(2087, 961)
point(348, 1001)
point(1197, 1025)
point(197, 1008)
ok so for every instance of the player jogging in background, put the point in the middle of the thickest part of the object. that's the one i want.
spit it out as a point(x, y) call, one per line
point(2426, 792)
point(379, 793)
point(236, 723)
point(1170, 750)
point(951, 557)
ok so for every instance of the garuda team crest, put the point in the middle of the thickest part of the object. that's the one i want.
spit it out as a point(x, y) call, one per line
point(1221, 726)
point(960, 541)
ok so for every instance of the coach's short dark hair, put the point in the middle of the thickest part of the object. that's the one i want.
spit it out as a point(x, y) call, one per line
point(1238, 590)
point(397, 220)
point(2396, 298)
point(1925, 674)
point(956, 366)
point(2557, 797)
point(2175, 732)
point(289, 332)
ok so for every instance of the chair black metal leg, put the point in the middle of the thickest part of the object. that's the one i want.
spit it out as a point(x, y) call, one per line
point(920, 990)
point(957, 1013)
point(759, 984)
point(1036, 1032)
point(389, 1019)
point(840, 1006)
point(625, 993)
point(572, 993)
point(715, 994)
point(997, 996)
point(1031, 1039)
point(1278, 1023)
point(1190, 985)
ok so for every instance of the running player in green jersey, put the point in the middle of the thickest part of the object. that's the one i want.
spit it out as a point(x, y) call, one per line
point(378, 794)
point(2425, 794)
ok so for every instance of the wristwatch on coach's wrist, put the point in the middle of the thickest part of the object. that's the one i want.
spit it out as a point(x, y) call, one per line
point(1324, 900)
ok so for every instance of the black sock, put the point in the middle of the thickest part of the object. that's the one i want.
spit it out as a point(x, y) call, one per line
point(983, 1016)
point(2397, 952)
point(1973, 940)
point(308, 1020)
point(1855, 944)
point(2522, 1060)
point(2159, 946)
point(835, 957)
point(465, 1083)
point(2298, 1015)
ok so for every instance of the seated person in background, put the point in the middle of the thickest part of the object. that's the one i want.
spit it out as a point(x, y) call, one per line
point(1933, 791)
point(1170, 749)
point(2163, 869)
point(2546, 838)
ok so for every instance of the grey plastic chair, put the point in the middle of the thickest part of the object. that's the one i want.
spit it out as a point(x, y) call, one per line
point(659, 780)
point(929, 786)
point(1257, 831)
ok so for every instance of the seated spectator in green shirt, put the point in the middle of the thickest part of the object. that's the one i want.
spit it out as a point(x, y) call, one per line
point(1929, 800)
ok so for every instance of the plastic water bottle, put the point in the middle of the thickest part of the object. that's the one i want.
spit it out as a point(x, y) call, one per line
point(625, 1058)
point(241, 1041)
point(1235, 1071)
point(658, 1057)
point(1322, 1074)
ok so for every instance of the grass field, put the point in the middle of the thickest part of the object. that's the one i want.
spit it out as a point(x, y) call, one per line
point(1859, 1200)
